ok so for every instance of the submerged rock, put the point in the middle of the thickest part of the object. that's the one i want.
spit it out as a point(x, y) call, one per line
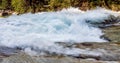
point(108, 51)
point(111, 29)
point(7, 51)
point(110, 54)
point(111, 21)
point(24, 58)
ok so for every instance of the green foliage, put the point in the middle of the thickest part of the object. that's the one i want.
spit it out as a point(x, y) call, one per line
point(23, 6)
point(5, 4)
point(55, 4)
point(66, 3)
point(59, 4)
point(19, 5)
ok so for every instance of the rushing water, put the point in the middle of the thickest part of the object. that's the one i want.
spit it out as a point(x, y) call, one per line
point(41, 30)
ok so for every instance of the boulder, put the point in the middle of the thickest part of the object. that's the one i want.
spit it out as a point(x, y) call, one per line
point(111, 21)
point(4, 14)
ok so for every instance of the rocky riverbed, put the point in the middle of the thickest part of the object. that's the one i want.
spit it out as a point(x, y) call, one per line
point(24, 58)
point(110, 54)
point(92, 52)
point(112, 33)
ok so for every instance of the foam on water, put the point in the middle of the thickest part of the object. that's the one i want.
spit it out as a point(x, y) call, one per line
point(41, 30)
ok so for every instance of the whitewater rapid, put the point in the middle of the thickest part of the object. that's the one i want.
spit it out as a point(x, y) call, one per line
point(41, 30)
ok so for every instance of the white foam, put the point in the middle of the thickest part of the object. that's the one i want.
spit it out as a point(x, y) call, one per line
point(43, 29)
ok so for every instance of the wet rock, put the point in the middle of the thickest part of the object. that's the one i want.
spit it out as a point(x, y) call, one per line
point(111, 21)
point(105, 38)
point(112, 33)
point(19, 58)
point(104, 57)
point(7, 51)
point(86, 44)
point(4, 14)
point(110, 57)
point(85, 56)
point(24, 58)
point(110, 54)
point(109, 51)
point(103, 51)
point(1, 60)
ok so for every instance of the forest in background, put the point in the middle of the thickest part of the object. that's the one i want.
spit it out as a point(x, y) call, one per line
point(23, 6)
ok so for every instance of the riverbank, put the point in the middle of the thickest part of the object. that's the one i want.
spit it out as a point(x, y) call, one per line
point(56, 5)
point(4, 13)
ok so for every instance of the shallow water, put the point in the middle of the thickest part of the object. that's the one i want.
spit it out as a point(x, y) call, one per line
point(40, 31)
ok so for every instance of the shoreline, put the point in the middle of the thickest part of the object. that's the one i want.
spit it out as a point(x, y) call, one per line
point(4, 13)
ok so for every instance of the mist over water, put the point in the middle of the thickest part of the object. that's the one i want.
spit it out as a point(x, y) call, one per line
point(41, 30)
